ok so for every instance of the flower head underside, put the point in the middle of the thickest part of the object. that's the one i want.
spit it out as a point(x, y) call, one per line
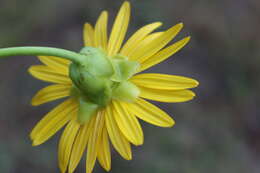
point(106, 94)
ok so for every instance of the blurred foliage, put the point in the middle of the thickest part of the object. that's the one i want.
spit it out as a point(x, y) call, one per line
point(219, 131)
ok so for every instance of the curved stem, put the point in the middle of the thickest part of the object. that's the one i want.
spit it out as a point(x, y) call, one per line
point(41, 51)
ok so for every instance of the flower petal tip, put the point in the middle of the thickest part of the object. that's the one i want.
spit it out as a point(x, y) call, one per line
point(30, 70)
point(129, 157)
point(87, 25)
point(187, 39)
point(34, 103)
point(172, 123)
point(169, 124)
point(139, 143)
point(180, 25)
point(35, 143)
point(107, 169)
point(196, 83)
point(158, 24)
point(126, 3)
point(105, 12)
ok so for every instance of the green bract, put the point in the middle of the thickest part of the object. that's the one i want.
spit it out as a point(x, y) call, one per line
point(99, 78)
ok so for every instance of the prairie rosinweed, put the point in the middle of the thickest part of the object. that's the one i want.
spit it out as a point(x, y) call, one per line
point(105, 95)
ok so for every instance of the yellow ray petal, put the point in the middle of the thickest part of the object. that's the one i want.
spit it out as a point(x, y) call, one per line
point(146, 41)
point(53, 121)
point(172, 96)
point(50, 93)
point(80, 144)
point(101, 31)
point(164, 54)
point(118, 140)
point(150, 113)
point(47, 74)
point(58, 64)
point(51, 115)
point(163, 81)
point(88, 35)
point(128, 123)
point(119, 29)
point(147, 49)
point(66, 143)
point(138, 36)
point(104, 154)
point(94, 139)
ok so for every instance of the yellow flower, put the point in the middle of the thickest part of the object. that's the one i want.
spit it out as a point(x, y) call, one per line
point(116, 122)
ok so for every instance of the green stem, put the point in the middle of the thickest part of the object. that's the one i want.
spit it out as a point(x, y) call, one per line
point(41, 51)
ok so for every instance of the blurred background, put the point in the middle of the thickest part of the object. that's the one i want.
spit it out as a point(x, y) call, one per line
point(218, 131)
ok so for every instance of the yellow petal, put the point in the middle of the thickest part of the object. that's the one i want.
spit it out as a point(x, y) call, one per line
point(147, 49)
point(119, 29)
point(101, 31)
point(80, 144)
point(104, 154)
point(94, 139)
point(66, 143)
point(138, 36)
point(146, 41)
point(58, 64)
point(118, 140)
point(50, 116)
point(128, 123)
point(53, 121)
point(172, 96)
point(163, 81)
point(50, 93)
point(150, 113)
point(164, 54)
point(88, 35)
point(47, 74)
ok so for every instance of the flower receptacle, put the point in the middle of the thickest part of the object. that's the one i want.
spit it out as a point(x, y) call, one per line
point(98, 79)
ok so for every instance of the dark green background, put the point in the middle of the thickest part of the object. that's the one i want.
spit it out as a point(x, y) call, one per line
point(217, 132)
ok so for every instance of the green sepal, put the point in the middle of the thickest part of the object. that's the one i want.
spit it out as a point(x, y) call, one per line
point(123, 68)
point(92, 75)
point(86, 110)
point(126, 91)
point(96, 62)
point(96, 89)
